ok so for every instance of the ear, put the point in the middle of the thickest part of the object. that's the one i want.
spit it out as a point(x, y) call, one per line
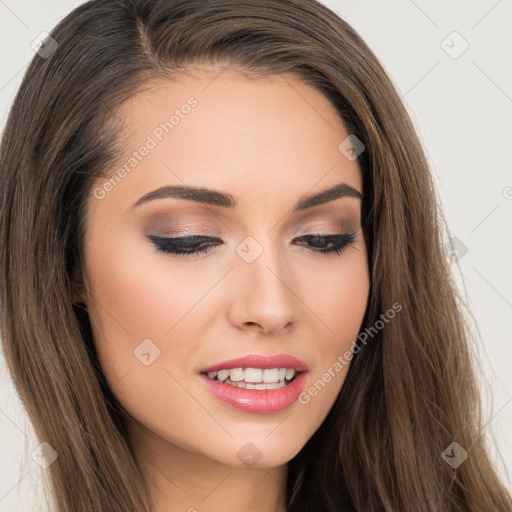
point(78, 291)
point(78, 299)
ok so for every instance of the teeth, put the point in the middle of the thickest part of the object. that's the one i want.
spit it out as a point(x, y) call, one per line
point(253, 375)
point(271, 375)
point(254, 378)
point(236, 374)
point(223, 374)
point(250, 385)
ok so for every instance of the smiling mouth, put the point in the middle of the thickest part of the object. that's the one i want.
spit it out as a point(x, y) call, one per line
point(254, 378)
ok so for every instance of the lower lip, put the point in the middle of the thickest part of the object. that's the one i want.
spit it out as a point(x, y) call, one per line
point(262, 401)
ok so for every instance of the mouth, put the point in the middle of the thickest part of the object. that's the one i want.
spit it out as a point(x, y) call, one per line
point(254, 378)
point(256, 383)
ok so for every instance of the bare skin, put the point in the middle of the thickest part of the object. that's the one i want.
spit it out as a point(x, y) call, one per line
point(269, 143)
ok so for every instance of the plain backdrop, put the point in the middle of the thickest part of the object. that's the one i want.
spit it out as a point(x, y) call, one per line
point(450, 61)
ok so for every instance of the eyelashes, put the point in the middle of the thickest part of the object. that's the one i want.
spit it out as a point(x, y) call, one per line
point(182, 245)
point(190, 245)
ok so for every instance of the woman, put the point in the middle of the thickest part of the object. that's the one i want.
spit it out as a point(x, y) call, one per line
point(223, 282)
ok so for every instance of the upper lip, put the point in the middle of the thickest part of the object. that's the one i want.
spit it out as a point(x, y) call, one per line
point(260, 361)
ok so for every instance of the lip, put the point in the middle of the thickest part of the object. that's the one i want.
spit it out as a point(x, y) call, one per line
point(262, 401)
point(260, 361)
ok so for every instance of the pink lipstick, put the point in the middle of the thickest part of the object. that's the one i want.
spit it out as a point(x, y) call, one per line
point(256, 383)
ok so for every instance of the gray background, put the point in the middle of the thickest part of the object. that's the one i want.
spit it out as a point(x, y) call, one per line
point(461, 104)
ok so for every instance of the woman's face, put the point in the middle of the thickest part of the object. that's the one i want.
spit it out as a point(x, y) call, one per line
point(160, 319)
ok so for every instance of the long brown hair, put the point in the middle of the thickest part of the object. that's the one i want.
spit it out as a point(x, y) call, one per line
point(410, 391)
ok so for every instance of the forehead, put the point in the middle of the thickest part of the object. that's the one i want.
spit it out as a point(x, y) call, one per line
point(226, 131)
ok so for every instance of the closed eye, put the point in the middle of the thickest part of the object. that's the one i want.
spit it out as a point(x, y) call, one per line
point(190, 245)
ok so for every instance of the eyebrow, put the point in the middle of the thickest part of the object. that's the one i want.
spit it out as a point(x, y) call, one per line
point(216, 198)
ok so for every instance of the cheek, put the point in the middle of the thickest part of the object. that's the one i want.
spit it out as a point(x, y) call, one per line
point(142, 293)
point(338, 300)
point(136, 318)
point(138, 307)
point(337, 295)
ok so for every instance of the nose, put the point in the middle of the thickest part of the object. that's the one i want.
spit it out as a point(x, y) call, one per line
point(264, 298)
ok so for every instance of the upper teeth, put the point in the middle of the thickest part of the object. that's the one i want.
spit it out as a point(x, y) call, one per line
point(254, 374)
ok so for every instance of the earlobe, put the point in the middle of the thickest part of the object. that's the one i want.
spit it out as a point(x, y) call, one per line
point(79, 301)
point(77, 291)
